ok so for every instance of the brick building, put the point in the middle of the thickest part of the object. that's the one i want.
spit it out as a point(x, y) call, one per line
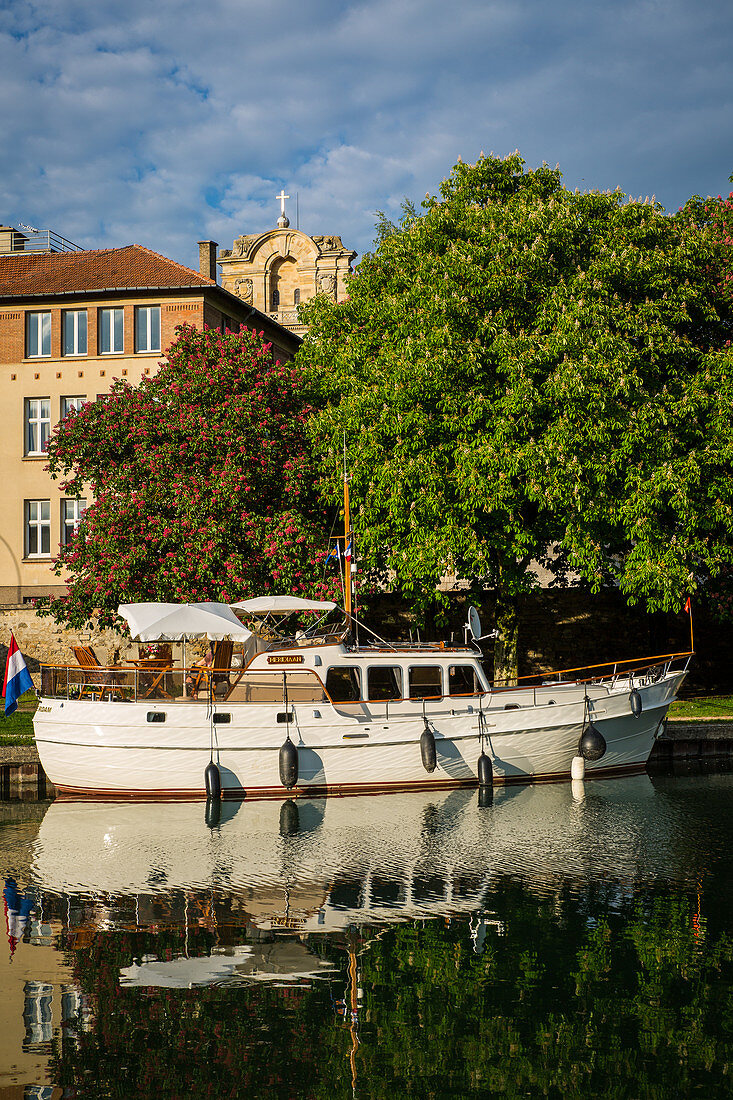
point(71, 322)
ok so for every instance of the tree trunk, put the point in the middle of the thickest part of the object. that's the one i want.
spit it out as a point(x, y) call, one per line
point(506, 646)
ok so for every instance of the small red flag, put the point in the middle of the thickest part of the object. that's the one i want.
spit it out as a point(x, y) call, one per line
point(688, 605)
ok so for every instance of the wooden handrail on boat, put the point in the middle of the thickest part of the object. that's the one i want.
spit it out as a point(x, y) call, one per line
point(645, 663)
point(111, 679)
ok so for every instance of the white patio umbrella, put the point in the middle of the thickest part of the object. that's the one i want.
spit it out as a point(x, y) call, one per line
point(177, 622)
point(260, 605)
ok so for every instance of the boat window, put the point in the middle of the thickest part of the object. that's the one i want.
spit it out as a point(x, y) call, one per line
point(384, 682)
point(346, 894)
point(156, 716)
point(425, 682)
point(263, 687)
point(386, 893)
point(222, 717)
point(427, 887)
point(462, 680)
point(342, 684)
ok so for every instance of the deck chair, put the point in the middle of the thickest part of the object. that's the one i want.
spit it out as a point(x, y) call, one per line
point(214, 677)
point(97, 680)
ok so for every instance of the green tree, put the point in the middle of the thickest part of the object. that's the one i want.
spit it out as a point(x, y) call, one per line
point(527, 374)
point(714, 216)
point(200, 478)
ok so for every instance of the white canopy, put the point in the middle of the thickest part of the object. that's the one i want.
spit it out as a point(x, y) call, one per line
point(175, 622)
point(179, 973)
point(260, 605)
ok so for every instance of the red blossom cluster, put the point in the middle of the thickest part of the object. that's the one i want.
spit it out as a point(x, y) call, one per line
point(202, 483)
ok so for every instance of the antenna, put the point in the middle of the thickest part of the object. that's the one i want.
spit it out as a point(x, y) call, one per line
point(297, 211)
point(473, 627)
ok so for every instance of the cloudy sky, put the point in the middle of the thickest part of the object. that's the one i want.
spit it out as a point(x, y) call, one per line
point(166, 122)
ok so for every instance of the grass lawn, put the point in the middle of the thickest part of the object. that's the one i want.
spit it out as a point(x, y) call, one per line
point(713, 706)
point(18, 728)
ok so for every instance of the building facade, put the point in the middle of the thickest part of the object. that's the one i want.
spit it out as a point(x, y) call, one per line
point(71, 322)
point(276, 270)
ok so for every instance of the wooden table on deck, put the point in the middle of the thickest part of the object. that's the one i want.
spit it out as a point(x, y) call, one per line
point(156, 670)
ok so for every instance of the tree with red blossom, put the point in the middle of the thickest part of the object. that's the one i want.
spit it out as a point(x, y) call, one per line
point(201, 483)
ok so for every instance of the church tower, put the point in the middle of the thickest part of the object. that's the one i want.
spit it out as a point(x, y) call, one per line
point(277, 270)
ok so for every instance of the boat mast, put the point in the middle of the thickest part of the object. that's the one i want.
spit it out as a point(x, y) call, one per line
point(348, 538)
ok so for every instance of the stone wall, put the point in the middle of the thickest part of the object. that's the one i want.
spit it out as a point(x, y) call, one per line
point(41, 640)
point(570, 628)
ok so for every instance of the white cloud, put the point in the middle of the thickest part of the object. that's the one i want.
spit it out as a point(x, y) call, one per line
point(167, 123)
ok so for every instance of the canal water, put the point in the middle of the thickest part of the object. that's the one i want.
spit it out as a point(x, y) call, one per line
point(567, 940)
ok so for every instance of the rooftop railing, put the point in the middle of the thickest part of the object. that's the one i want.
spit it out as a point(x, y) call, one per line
point(43, 240)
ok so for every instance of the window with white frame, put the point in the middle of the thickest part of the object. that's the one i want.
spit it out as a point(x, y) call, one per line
point(69, 403)
point(111, 331)
point(72, 510)
point(74, 328)
point(38, 528)
point(38, 335)
point(147, 328)
point(37, 425)
point(37, 1015)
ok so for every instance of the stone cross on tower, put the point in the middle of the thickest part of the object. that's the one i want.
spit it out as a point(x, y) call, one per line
point(283, 221)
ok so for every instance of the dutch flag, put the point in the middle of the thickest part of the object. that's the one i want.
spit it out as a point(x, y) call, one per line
point(17, 677)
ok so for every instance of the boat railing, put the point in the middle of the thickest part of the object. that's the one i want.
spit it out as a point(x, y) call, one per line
point(157, 681)
point(645, 669)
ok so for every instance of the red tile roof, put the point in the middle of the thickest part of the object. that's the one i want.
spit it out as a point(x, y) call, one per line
point(129, 268)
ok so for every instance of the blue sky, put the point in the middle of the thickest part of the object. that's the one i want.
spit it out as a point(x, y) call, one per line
point(165, 123)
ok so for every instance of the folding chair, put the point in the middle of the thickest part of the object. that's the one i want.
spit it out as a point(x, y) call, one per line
point(97, 679)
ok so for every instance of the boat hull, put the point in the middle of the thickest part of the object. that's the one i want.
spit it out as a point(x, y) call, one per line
point(114, 749)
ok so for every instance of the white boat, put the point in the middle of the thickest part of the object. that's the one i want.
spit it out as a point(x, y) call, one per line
point(320, 713)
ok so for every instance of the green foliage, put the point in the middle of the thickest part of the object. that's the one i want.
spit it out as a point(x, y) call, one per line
point(521, 367)
point(201, 483)
point(601, 1004)
point(602, 992)
point(213, 1041)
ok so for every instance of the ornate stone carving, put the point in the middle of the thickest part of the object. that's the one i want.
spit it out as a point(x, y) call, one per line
point(327, 284)
point(243, 289)
point(328, 244)
point(241, 244)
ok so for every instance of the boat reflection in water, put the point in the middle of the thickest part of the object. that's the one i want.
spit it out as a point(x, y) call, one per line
point(569, 940)
point(324, 865)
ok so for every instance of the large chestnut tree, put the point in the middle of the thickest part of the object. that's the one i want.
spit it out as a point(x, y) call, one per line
point(526, 374)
